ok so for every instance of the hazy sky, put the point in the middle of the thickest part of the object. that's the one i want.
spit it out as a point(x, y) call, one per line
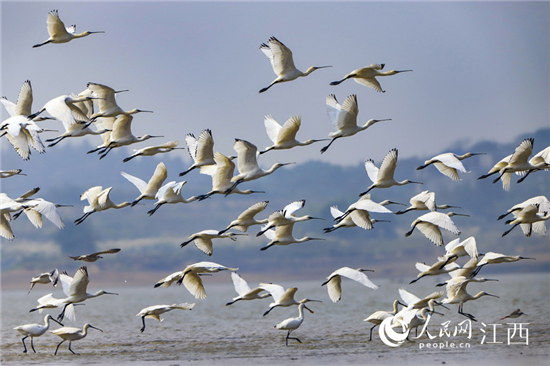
point(481, 69)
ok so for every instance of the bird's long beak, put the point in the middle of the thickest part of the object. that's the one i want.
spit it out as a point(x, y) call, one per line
point(396, 203)
point(479, 153)
point(490, 279)
point(317, 239)
point(92, 32)
point(283, 164)
point(316, 218)
point(398, 71)
point(110, 293)
point(380, 120)
point(456, 214)
point(91, 326)
point(311, 311)
point(366, 270)
point(498, 297)
point(141, 110)
point(440, 304)
point(58, 322)
point(438, 313)
point(321, 67)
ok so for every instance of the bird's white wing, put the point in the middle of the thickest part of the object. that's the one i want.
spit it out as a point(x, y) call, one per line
point(522, 152)
point(452, 245)
point(166, 189)
point(10, 106)
point(407, 297)
point(289, 129)
point(205, 147)
point(451, 161)
point(193, 284)
point(139, 183)
point(358, 276)
point(24, 100)
point(448, 171)
point(276, 291)
point(159, 176)
point(371, 206)
point(334, 288)
point(422, 266)
point(333, 109)
point(240, 284)
point(335, 212)
point(539, 227)
point(80, 282)
point(541, 157)
point(253, 210)
point(55, 26)
point(388, 165)
point(362, 219)
point(49, 210)
point(432, 232)
point(65, 282)
point(246, 155)
point(372, 170)
point(272, 128)
point(279, 55)
point(441, 220)
point(427, 198)
point(291, 208)
point(470, 246)
point(204, 244)
point(347, 118)
point(192, 144)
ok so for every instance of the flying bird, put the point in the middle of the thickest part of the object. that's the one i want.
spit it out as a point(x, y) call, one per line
point(244, 291)
point(11, 173)
point(201, 150)
point(148, 189)
point(281, 60)
point(282, 297)
point(515, 314)
point(98, 200)
point(246, 218)
point(282, 235)
point(45, 278)
point(334, 281)
point(94, 256)
point(155, 311)
point(154, 150)
point(203, 239)
point(170, 193)
point(284, 137)
point(425, 200)
point(517, 164)
point(286, 216)
point(530, 218)
point(367, 76)
point(59, 33)
point(449, 164)
point(429, 224)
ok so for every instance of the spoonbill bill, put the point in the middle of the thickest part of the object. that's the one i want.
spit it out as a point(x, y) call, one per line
point(515, 314)
point(334, 281)
point(72, 334)
point(282, 297)
point(282, 235)
point(59, 33)
point(246, 218)
point(449, 164)
point(457, 294)
point(284, 137)
point(106, 102)
point(530, 218)
point(542, 201)
point(170, 193)
point(540, 161)
point(201, 150)
point(11, 173)
point(291, 324)
point(367, 76)
point(149, 189)
point(518, 163)
point(155, 311)
point(34, 330)
point(190, 277)
point(76, 290)
point(248, 164)
point(153, 150)
point(429, 224)
point(344, 118)
point(424, 201)
point(360, 218)
point(203, 239)
point(383, 177)
point(221, 174)
point(281, 60)
point(94, 256)
point(45, 278)
point(378, 317)
point(286, 216)
point(98, 200)
point(244, 291)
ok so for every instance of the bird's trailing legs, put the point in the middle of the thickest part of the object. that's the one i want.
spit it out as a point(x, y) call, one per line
point(82, 218)
point(330, 143)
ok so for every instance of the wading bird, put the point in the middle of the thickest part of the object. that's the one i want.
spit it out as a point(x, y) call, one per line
point(334, 281)
point(517, 164)
point(429, 224)
point(282, 297)
point(98, 200)
point(34, 330)
point(190, 277)
point(72, 334)
point(291, 324)
point(155, 310)
point(203, 239)
point(367, 76)
point(246, 218)
point(457, 294)
point(75, 288)
point(377, 317)
point(449, 164)
point(248, 164)
point(201, 150)
point(45, 278)
point(170, 193)
point(282, 235)
point(94, 256)
point(244, 291)
point(153, 150)
point(284, 137)
point(383, 177)
point(221, 174)
point(344, 118)
point(424, 201)
point(281, 60)
point(149, 189)
point(530, 218)
point(286, 216)
point(59, 33)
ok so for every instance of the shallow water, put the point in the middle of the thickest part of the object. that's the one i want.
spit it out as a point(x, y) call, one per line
point(213, 333)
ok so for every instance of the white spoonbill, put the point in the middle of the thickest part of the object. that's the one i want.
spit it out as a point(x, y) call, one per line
point(64, 109)
point(190, 277)
point(7, 206)
point(377, 317)
point(221, 174)
point(24, 103)
point(94, 256)
point(201, 150)
point(367, 76)
point(497, 167)
point(334, 281)
point(424, 201)
point(284, 137)
point(148, 189)
point(439, 267)
point(282, 235)
point(365, 203)
point(59, 33)
point(170, 193)
point(11, 173)
point(449, 164)
point(291, 324)
point(72, 334)
point(246, 218)
point(282, 297)
point(495, 258)
point(457, 248)
point(203, 239)
point(45, 278)
point(540, 161)
point(542, 201)
point(76, 290)
point(530, 218)
point(98, 200)
point(41, 207)
point(248, 164)
point(429, 224)
point(457, 294)
point(414, 302)
point(286, 216)
point(155, 310)
point(244, 291)
point(360, 218)
point(344, 118)
point(34, 330)
point(283, 65)
point(383, 177)
point(517, 164)
point(153, 150)
point(22, 133)
point(106, 102)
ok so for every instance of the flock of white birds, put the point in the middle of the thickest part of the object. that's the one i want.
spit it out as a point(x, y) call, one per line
point(97, 106)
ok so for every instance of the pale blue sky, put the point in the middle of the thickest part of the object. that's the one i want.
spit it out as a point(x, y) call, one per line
point(481, 69)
